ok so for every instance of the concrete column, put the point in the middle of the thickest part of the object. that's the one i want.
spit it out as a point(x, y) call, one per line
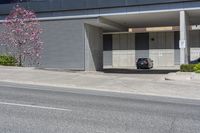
point(93, 48)
point(184, 38)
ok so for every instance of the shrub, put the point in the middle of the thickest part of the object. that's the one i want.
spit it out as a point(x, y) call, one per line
point(7, 60)
point(197, 68)
point(187, 68)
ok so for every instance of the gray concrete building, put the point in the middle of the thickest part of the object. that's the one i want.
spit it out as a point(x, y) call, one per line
point(92, 34)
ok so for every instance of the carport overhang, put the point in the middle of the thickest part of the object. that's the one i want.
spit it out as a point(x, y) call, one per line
point(121, 22)
point(107, 25)
point(174, 18)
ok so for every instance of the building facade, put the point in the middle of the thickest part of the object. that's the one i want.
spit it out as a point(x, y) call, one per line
point(92, 34)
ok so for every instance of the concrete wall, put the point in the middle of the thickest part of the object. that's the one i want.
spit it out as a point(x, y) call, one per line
point(107, 53)
point(123, 50)
point(141, 45)
point(194, 44)
point(176, 48)
point(93, 48)
point(3, 49)
point(69, 44)
point(107, 59)
point(161, 48)
point(63, 44)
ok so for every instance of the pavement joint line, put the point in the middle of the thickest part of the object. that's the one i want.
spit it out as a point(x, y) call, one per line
point(34, 106)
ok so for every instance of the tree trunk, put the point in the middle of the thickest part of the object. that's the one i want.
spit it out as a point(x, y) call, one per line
point(20, 60)
point(20, 54)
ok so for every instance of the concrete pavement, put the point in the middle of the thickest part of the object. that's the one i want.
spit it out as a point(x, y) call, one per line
point(144, 84)
point(183, 76)
point(46, 110)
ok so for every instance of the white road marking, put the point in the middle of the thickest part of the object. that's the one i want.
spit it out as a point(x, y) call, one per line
point(34, 106)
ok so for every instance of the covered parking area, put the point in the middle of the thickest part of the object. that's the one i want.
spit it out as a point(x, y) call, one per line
point(169, 38)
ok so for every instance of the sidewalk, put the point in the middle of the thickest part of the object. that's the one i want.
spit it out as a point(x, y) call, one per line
point(144, 84)
point(183, 76)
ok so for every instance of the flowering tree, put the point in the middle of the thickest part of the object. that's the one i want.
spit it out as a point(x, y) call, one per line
point(22, 36)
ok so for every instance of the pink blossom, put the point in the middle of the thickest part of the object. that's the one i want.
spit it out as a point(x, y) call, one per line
point(22, 35)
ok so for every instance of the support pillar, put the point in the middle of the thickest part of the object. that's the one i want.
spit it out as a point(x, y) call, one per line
point(184, 38)
point(93, 48)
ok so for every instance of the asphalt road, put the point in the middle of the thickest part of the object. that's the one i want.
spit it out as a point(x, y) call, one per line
point(34, 109)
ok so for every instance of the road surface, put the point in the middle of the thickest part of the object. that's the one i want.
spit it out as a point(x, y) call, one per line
point(35, 109)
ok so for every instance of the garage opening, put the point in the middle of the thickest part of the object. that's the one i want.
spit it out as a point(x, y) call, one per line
point(125, 49)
